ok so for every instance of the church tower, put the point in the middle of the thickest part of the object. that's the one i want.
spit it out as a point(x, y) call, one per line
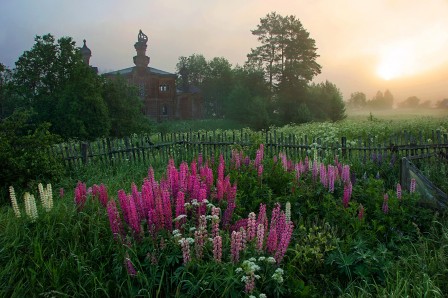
point(86, 53)
point(141, 61)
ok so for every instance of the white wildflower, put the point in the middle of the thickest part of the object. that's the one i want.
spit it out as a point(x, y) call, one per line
point(15, 206)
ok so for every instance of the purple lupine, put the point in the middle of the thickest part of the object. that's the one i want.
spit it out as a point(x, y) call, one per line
point(399, 191)
point(114, 219)
point(361, 212)
point(262, 217)
point(243, 238)
point(386, 204)
point(124, 205)
point(307, 163)
point(61, 192)
point(103, 197)
point(260, 237)
point(221, 168)
point(129, 266)
point(271, 244)
point(200, 159)
point(217, 248)
point(259, 157)
point(183, 176)
point(235, 246)
point(323, 175)
point(413, 184)
point(134, 221)
point(284, 242)
point(168, 214)
point(185, 245)
point(251, 226)
point(331, 178)
point(346, 174)
point(346, 198)
point(180, 209)
point(136, 196)
point(80, 195)
point(260, 170)
point(219, 190)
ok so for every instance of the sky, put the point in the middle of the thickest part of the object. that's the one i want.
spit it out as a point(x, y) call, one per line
point(363, 46)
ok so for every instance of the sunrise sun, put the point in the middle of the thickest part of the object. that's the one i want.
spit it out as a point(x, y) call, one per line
point(395, 61)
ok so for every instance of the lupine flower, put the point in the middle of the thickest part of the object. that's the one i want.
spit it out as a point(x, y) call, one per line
point(217, 248)
point(185, 245)
point(215, 221)
point(250, 283)
point(345, 174)
point(361, 212)
point(262, 218)
point(284, 242)
point(61, 192)
point(399, 191)
point(315, 170)
point(271, 245)
point(412, 187)
point(30, 206)
point(346, 199)
point(130, 267)
point(260, 237)
point(180, 209)
point(15, 206)
point(251, 226)
point(114, 219)
point(260, 170)
point(80, 195)
point(331, 178)
point(49, 192)
point(235, 246)
point(386, 204)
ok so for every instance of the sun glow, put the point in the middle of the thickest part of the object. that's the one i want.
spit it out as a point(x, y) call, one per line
point(396, 61)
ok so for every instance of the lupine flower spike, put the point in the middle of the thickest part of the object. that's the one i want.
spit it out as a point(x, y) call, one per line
point(15, 207)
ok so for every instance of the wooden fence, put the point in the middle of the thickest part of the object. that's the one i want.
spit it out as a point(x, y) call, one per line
point(185, 146)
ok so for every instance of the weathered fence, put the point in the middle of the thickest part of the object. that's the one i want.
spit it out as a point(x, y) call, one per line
point(185, 146)
point(430, 193)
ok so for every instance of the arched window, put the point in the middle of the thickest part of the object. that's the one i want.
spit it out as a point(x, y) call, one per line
point(164, 87)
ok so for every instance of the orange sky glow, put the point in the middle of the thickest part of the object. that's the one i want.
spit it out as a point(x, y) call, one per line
point(366, 46)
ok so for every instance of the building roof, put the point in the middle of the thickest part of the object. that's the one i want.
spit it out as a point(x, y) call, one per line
point(151, 70)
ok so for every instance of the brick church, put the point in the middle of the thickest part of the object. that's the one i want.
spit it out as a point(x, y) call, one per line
point(162, 99)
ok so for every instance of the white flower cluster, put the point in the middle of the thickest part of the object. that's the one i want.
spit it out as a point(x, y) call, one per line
point(176, 234)
point(179, 217)
point(15, 206)
point(278, 275)
point(250, 266)
point(189, 240)
point(30, 206)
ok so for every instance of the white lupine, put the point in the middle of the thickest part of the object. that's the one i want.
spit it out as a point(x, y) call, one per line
point(43, 195)
point(49, 192)
point(30, 206)
point(15, 206)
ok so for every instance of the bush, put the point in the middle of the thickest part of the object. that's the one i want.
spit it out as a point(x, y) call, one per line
point(24, 153)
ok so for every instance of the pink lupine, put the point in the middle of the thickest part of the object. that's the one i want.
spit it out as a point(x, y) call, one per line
point(217, 248)
point(168, 215)
point(250, 283)
point(183, 176)
point(413, 184)
point(331, 178)
point(271, 244)
point(80, 195)
point(323, 175)
point(221, 168)
point(346, 199)
point(200, 159)
point(243, 238)
point(361, 212)
point(284, 242)
point(103, 197)
point(345, 174)
point(151, 175)
point(198, 243)
point(124, 205)
point(61, 192)
point(114, 219)
point(134, 221)
point(185, 245)
point(259, 157)
point(219, 190)
point(260, 170)
point(251, 226)
point(130, 267)
point(386, 204)
point(260, 237)
point(215, 221)
point(235, 246)
point(399, 191)
point(307, 163)
point(262, 218)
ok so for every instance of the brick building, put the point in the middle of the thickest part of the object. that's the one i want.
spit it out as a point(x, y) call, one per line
point(157, 88)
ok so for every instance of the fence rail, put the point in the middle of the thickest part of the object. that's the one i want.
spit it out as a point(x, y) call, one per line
point(184, 146)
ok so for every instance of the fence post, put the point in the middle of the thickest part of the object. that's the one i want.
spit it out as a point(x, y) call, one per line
point(344, 146)
point(84, 147)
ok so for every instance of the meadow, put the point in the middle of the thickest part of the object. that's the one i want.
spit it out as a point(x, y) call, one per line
point(249, 224)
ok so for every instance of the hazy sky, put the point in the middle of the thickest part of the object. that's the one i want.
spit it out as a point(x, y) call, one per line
point(401, 45)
